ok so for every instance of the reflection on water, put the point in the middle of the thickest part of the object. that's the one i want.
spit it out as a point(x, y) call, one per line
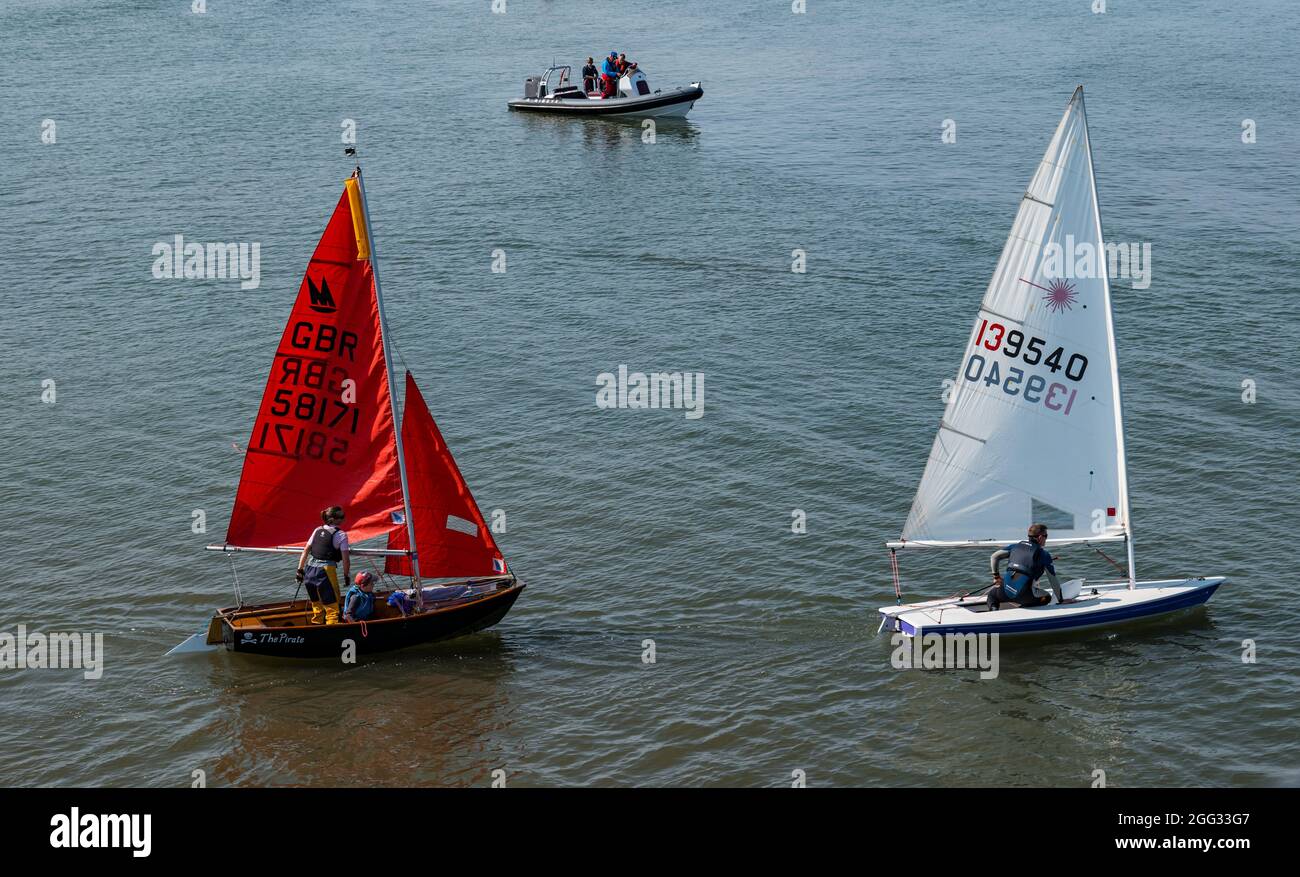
point(549, 132)
point(435, 715)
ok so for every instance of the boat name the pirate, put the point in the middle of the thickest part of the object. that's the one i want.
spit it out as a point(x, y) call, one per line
point(53, 651)
point(279, 637)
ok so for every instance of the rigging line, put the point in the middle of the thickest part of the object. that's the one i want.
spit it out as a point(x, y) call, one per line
point(381, 575)
point(1112, 562)
point(963, 594)
point(893, 562)
point(239, 597)
point(397, 350)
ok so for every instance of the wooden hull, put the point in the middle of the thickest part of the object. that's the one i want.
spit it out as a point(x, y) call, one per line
point(281, 630)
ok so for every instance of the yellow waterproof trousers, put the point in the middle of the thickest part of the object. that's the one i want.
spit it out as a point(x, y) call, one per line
point(322, 584)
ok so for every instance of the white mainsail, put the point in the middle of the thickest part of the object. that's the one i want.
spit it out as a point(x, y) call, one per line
point(1033, 429)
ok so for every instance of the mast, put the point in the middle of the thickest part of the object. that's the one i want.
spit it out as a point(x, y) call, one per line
point(1114, 356)
point(392, 391)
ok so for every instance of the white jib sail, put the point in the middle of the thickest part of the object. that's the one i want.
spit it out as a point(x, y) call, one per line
point(1033, 431)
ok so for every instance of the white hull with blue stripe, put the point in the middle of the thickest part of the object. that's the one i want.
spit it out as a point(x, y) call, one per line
point(1105, 603)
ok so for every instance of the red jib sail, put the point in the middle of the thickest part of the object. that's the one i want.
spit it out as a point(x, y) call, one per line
point(324, 434)
point(450, 534)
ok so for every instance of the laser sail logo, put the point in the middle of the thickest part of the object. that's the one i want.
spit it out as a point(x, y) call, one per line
point(1060, 295)
point(76, 830)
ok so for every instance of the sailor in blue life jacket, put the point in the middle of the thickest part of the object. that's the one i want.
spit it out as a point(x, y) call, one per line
point(359, 601)
point(609, 74)
point(1027, 560)
point(318, 566)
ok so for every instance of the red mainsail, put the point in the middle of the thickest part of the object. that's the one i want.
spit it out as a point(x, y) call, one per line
point(324, 433)
point(450, 534)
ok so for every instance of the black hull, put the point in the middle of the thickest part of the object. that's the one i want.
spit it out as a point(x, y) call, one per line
point(384, 635)
point(614, 107)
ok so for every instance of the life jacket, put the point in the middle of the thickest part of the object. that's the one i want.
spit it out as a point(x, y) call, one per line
point(1023, 567)
point(1024, 559)
point(322, 545)
point(401, 602)
point(365, 606)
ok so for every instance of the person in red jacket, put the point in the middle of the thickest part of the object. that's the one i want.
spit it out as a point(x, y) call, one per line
point(609, 74)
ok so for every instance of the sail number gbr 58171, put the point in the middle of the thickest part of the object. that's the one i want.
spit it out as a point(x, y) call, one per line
point(304, 414)
point(1036, 389)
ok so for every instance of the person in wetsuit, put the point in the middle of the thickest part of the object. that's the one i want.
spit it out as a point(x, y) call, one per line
point(1027, 561)
point(589, 74)
point(318, 566)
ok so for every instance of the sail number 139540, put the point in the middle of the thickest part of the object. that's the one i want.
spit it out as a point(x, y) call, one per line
point(1054, 396)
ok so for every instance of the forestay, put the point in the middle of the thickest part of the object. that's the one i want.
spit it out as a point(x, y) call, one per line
point(1032, 430)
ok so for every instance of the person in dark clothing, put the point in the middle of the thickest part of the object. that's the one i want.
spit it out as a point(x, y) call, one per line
point(318, 566)
point(1027, 561)
point(589, 74)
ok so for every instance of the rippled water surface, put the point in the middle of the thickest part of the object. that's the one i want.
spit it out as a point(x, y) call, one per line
point(817, 132)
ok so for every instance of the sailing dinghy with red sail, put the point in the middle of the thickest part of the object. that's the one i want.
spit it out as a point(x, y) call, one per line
point(330, 431)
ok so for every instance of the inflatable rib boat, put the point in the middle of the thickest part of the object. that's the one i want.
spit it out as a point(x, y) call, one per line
point(553, 92)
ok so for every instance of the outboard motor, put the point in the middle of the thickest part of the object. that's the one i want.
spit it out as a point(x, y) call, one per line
point(531, 86)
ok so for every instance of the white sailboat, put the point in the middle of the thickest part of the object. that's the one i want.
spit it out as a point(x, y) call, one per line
point(1034, 430)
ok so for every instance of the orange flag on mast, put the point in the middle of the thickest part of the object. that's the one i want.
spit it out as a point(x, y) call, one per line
point(324, 433)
